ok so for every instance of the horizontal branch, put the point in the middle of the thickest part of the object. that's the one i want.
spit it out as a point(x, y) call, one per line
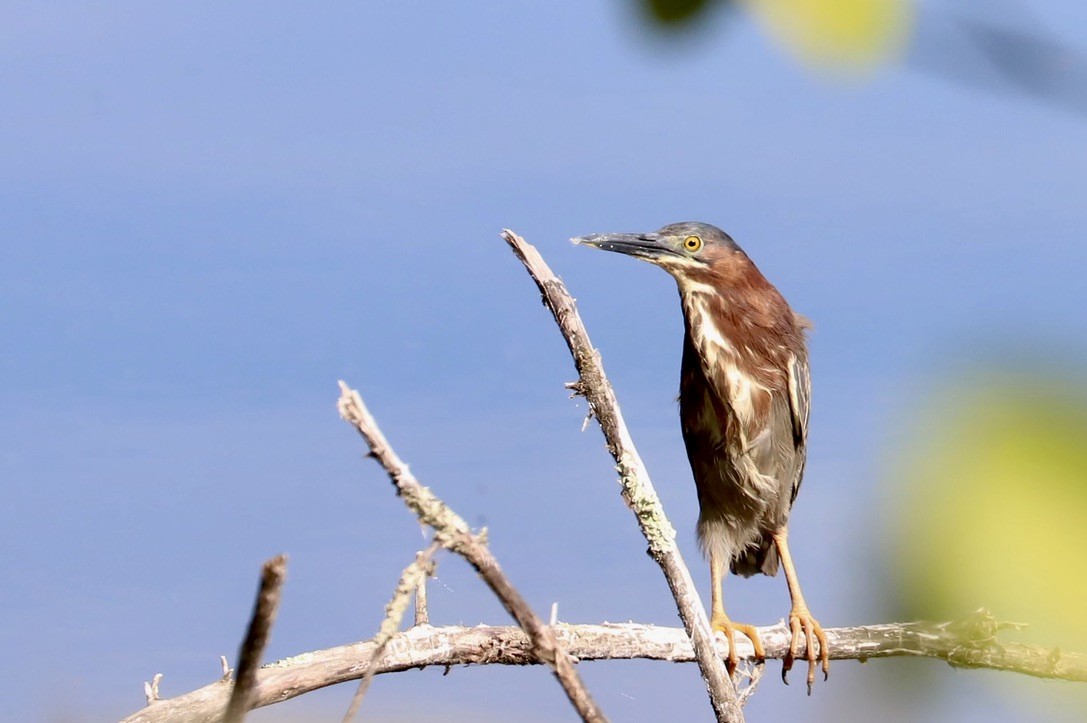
point(968, 643)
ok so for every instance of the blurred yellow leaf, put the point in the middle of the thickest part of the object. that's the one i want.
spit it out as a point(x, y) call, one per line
point(993, 508)
point(843, 33)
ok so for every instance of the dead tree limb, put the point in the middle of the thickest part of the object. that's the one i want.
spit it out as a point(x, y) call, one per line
point(452, 532)
point(272, 575)
point(969, 643)
point(411, 580)
point(422, 617)
point(638, 490)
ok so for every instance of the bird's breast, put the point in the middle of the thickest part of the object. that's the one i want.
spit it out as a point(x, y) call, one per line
point(725, 368)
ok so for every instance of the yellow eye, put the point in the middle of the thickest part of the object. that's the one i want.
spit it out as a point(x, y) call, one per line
point(692, 243)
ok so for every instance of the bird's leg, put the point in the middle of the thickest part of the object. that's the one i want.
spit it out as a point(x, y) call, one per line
point(719, 620)
point(800, 618)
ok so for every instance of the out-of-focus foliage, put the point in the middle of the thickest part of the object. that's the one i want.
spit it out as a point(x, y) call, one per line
point(847, 33)
point(675, 13)
point(993, 508)
point(1000, 47)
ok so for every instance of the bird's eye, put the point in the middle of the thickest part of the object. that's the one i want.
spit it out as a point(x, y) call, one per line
point(692, 243)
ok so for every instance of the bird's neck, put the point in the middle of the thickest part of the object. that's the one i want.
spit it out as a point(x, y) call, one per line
point(716, 357)
point(730, 328)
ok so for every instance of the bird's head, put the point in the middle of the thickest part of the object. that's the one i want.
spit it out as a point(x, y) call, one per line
point(692, 252)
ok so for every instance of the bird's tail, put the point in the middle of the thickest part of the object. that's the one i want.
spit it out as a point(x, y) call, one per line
point(762, 557)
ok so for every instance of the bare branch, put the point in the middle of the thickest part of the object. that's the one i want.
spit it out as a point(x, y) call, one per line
point(753, 672)
point(272, 576)
point(151, 690)
point(638, 490)
point(422, 617)
point(413, 577)
point(452, 532)
point(968, 643)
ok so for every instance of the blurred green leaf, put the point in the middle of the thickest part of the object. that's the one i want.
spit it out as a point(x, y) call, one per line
point(994, 508)
point(674, 12)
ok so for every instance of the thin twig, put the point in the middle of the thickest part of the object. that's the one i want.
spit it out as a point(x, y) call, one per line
point(969, 643)
point(753, 672)
point(272, 575)
point(422, 617)
point(637, 488)
point(151, 690)
point(453, 533)
point(413, 576)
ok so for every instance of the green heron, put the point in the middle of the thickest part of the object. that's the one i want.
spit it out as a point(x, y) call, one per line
point(744, 397)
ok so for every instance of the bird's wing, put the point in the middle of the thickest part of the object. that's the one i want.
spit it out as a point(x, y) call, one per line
point(799, 397)
point(800, 409)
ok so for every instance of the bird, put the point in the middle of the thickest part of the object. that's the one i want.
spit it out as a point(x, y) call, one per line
point(744, 403)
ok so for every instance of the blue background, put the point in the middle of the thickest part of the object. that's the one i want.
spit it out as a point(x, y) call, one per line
point(210, 214)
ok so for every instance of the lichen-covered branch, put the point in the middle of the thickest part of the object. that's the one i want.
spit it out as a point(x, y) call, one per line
point(638, 490)
point(411, 580)
point(453, 533)
point(969, 643)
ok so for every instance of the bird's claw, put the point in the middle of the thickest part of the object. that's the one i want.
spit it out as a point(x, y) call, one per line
point(803, 625)
point(722, 624)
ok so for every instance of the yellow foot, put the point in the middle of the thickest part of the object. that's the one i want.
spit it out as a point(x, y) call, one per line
point(804, 625)
point(721, 623)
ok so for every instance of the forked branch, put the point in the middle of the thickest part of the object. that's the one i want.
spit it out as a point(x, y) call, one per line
point(969, 643)
point(412, 580)
point(452, 532)
point(637, 488)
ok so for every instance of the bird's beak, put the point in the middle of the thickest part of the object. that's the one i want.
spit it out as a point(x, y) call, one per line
point(647, 246)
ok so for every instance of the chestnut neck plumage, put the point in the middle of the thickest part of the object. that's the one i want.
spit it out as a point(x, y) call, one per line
point(736, 317)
